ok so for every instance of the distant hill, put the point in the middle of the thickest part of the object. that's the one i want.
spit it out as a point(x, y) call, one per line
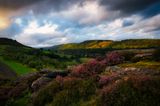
point(6, 41)
point(101, 44)
point(92, 44)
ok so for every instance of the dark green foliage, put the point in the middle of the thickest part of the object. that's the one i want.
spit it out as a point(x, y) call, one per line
point(156, 55)
point(128, 55)
point(23, 100)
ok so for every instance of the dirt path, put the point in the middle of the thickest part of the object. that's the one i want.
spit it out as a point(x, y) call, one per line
point(6, 72)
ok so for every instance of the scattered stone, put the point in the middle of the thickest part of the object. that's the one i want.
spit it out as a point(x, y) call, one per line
point(112, 69)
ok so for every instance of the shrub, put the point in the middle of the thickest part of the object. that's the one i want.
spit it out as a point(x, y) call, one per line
point(104, 80)
point(91, 68)
point(114, 58)
point(46, 94)
point(64, 91)
point(95, 66)
point(80, 71)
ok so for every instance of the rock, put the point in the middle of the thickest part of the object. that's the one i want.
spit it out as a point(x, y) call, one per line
point(39, 83)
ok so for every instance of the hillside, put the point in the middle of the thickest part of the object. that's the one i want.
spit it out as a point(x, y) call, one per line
point(10, 50)
point(6, 41)
point(23, 60)
point(101, 44)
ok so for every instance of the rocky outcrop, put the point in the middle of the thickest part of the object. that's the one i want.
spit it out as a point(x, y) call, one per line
point(46, 78)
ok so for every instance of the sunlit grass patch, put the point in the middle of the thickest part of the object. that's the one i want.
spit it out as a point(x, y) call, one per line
point(19, 68)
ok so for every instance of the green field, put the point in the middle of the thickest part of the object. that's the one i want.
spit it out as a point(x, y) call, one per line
point(19, 68)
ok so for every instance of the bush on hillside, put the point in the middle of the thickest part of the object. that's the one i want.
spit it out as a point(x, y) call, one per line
point(45, 95)
point(74, 91)
point(91, 68)
point(114, 58)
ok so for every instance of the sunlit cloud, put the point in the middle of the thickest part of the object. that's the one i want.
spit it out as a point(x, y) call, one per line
point(4, 19)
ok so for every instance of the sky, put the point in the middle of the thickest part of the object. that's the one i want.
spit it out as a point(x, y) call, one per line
point(44, 23)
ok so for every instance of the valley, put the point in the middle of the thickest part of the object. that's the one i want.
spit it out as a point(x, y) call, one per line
point(91, 73)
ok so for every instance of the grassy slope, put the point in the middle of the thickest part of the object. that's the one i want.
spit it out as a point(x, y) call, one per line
point(19, 68)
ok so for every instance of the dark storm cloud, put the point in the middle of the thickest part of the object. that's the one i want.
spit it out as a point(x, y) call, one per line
point(127, 7)
point(41, 4)
point(16, 4)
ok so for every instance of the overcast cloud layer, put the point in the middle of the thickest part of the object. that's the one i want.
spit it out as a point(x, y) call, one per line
point(42, 23)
